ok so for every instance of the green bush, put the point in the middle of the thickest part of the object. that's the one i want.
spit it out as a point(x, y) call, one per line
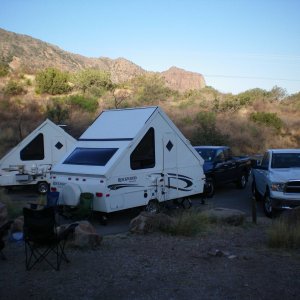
point(4, 69)
point(267, 119)
point(150, 89)
point(52, 81)
point(94, 82)
point(206, 132)
point(83, 103)
point(57, 111)
point(13, 88)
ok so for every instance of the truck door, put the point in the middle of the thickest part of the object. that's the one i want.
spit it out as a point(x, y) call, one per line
point(170, 169)
point(261, 174)
point(220, 166)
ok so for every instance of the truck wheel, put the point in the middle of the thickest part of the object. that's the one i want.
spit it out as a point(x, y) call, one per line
point(242, 182)
point(153, 207)
point(42, 187)
point(268, 209)
point(210, 187)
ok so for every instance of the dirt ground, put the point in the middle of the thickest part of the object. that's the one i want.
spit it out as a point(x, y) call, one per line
point(226, 263)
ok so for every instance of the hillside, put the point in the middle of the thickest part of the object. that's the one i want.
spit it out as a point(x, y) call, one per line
point(28, 55)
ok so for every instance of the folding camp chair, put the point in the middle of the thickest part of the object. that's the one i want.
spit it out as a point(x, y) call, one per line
point(42, 241)
point(3, 231)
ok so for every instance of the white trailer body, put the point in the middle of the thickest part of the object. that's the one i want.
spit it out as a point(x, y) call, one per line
point(127, 158)
point(30, 162)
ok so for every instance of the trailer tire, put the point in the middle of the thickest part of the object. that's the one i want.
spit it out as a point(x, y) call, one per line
point(185, 203)
point(42, 187)
point(153, 207)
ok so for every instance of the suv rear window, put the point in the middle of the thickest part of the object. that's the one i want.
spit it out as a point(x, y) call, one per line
point(90, 156)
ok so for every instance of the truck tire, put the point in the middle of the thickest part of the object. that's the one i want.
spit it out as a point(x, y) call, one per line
point(268, 208)
point(210, 187)
point(42, 187)
point(242, 181)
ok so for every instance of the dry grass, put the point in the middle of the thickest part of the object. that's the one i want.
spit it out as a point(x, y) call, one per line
point(189, 223)
point(284, 235)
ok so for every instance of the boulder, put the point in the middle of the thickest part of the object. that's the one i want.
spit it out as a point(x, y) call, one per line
point(86, 236)
point(147, 222)
point(225, 215)
point(3, 213)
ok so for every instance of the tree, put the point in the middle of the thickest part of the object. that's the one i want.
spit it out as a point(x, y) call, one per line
point(93, 81)
point(52, 81)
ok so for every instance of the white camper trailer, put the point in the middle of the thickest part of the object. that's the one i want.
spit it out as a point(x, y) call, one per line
point(129, 158)
point(30, 162)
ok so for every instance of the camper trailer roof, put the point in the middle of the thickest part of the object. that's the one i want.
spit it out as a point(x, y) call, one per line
point(118, 124)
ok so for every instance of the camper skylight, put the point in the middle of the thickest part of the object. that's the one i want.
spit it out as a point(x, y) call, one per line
point(90, 156)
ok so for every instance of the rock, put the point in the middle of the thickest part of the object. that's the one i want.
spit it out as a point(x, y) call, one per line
point(3, 213)
point(17, 225)
point(148, 222)
point(85, 235)
point(225, 215)
point(181, 80)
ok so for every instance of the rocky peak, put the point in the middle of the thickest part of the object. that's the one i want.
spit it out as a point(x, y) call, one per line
point(182, 80)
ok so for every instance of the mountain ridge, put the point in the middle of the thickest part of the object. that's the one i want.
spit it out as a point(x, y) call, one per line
point(29, 55)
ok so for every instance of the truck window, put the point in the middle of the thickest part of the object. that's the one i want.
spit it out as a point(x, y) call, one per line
point(143, 156)
point(265, 160)
point(90, 156)
point(34, 150)
point(220, 156)
point(285, 160)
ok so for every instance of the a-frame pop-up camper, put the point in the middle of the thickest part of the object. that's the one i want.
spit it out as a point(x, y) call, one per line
point(30, 162)
point(129, 158)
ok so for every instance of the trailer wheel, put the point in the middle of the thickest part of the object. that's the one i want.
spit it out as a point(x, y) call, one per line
point(42, 187)
point(185, 202)
point(153, 207)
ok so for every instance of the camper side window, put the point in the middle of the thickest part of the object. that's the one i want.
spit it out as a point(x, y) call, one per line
point(143, 156)
point(34, 150)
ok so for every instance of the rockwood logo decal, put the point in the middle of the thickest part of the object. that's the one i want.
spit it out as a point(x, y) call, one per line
point(128, 179)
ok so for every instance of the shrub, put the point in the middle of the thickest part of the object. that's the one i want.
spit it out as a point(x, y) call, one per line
point(4, 69)
point(52, 81)
point(13, 88)
point(95, 82)
point(268, 119)
point(83, 103)
point(57, 111)
point(188, 223)
point(206, 132)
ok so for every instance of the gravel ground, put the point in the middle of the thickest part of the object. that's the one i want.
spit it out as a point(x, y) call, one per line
point(227, 263)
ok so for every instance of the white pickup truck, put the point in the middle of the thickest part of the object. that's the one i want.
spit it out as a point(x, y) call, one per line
point(277, 179)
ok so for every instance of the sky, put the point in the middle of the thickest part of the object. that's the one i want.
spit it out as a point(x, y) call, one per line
point(235, 44)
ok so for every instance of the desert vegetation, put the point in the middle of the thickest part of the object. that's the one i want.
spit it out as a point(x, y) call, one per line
point(249, 122)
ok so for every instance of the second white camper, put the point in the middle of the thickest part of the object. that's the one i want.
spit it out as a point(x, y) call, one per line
point(129, 158)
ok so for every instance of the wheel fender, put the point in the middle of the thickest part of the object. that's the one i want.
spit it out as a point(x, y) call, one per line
point(71, 194)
